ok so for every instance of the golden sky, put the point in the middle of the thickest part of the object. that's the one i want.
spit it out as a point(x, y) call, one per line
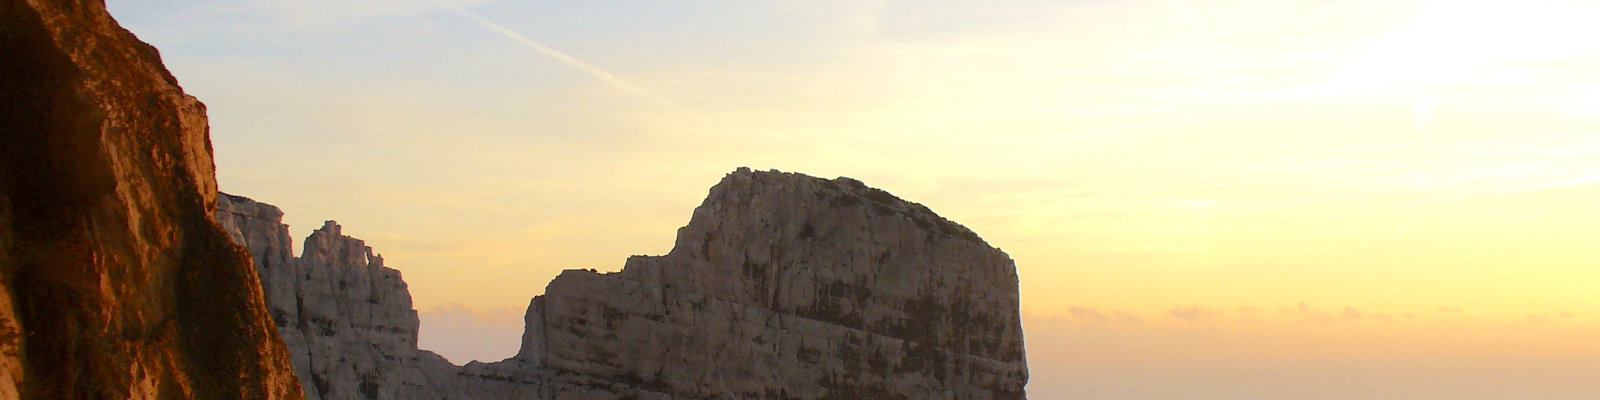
point(1179, 181)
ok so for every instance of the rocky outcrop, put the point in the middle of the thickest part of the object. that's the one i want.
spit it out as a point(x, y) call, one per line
point(782, 286)
point(788, 286)
point(117, 284)
point(346, 318)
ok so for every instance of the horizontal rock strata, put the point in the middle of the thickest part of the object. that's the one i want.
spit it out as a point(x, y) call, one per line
point(782, 286)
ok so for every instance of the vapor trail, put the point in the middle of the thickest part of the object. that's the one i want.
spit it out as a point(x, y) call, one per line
point(602, 75)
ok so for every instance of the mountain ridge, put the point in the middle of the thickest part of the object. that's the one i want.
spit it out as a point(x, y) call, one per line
point(781, 285)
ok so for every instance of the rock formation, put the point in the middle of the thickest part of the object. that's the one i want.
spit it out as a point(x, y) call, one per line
point(782, 286)
point(115, 283)
point(346, 318)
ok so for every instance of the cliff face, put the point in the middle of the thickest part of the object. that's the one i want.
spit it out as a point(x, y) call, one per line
point(346, 318)
point(788, 286)
point(116, 281)
point(782, 286)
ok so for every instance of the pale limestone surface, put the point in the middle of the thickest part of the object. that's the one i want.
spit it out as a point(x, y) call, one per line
point(782, 286)
point(346, 318)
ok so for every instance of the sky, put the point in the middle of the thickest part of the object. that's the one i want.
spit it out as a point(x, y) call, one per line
point(1227, 199)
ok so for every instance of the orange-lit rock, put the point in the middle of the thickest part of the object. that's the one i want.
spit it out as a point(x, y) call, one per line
point(117, 284)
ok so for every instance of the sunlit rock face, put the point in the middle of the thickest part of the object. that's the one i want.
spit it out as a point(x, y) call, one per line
point(782, 286)
point(117, 283)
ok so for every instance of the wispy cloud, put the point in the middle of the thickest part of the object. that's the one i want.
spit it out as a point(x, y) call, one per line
point(1093, 314)
point(1194, 313)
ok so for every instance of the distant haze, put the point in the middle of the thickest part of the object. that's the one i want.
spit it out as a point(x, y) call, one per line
point(1237, 199)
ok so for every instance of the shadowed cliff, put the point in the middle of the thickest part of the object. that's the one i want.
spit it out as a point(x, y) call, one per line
point(116, 281)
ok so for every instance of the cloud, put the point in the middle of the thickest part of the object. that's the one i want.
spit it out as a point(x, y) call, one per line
point(1088, 313)
point(1092, 314)
point(1195, 313)
point(1350, 313)
point(1301, 313)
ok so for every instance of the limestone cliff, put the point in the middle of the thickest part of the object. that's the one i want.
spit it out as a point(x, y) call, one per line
point(115, 283)
point(346, 318)
point(782, 286)
point(788, 286)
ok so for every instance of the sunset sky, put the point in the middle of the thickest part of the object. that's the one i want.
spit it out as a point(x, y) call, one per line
point(1232, 199)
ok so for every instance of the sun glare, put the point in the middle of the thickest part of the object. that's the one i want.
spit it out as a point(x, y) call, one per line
point(1467, 43)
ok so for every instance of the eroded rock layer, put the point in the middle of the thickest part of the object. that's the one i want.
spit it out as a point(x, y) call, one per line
point(782, 286)
point(117, 284)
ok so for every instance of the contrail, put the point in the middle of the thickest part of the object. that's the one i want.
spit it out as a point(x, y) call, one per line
point(602, 75)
